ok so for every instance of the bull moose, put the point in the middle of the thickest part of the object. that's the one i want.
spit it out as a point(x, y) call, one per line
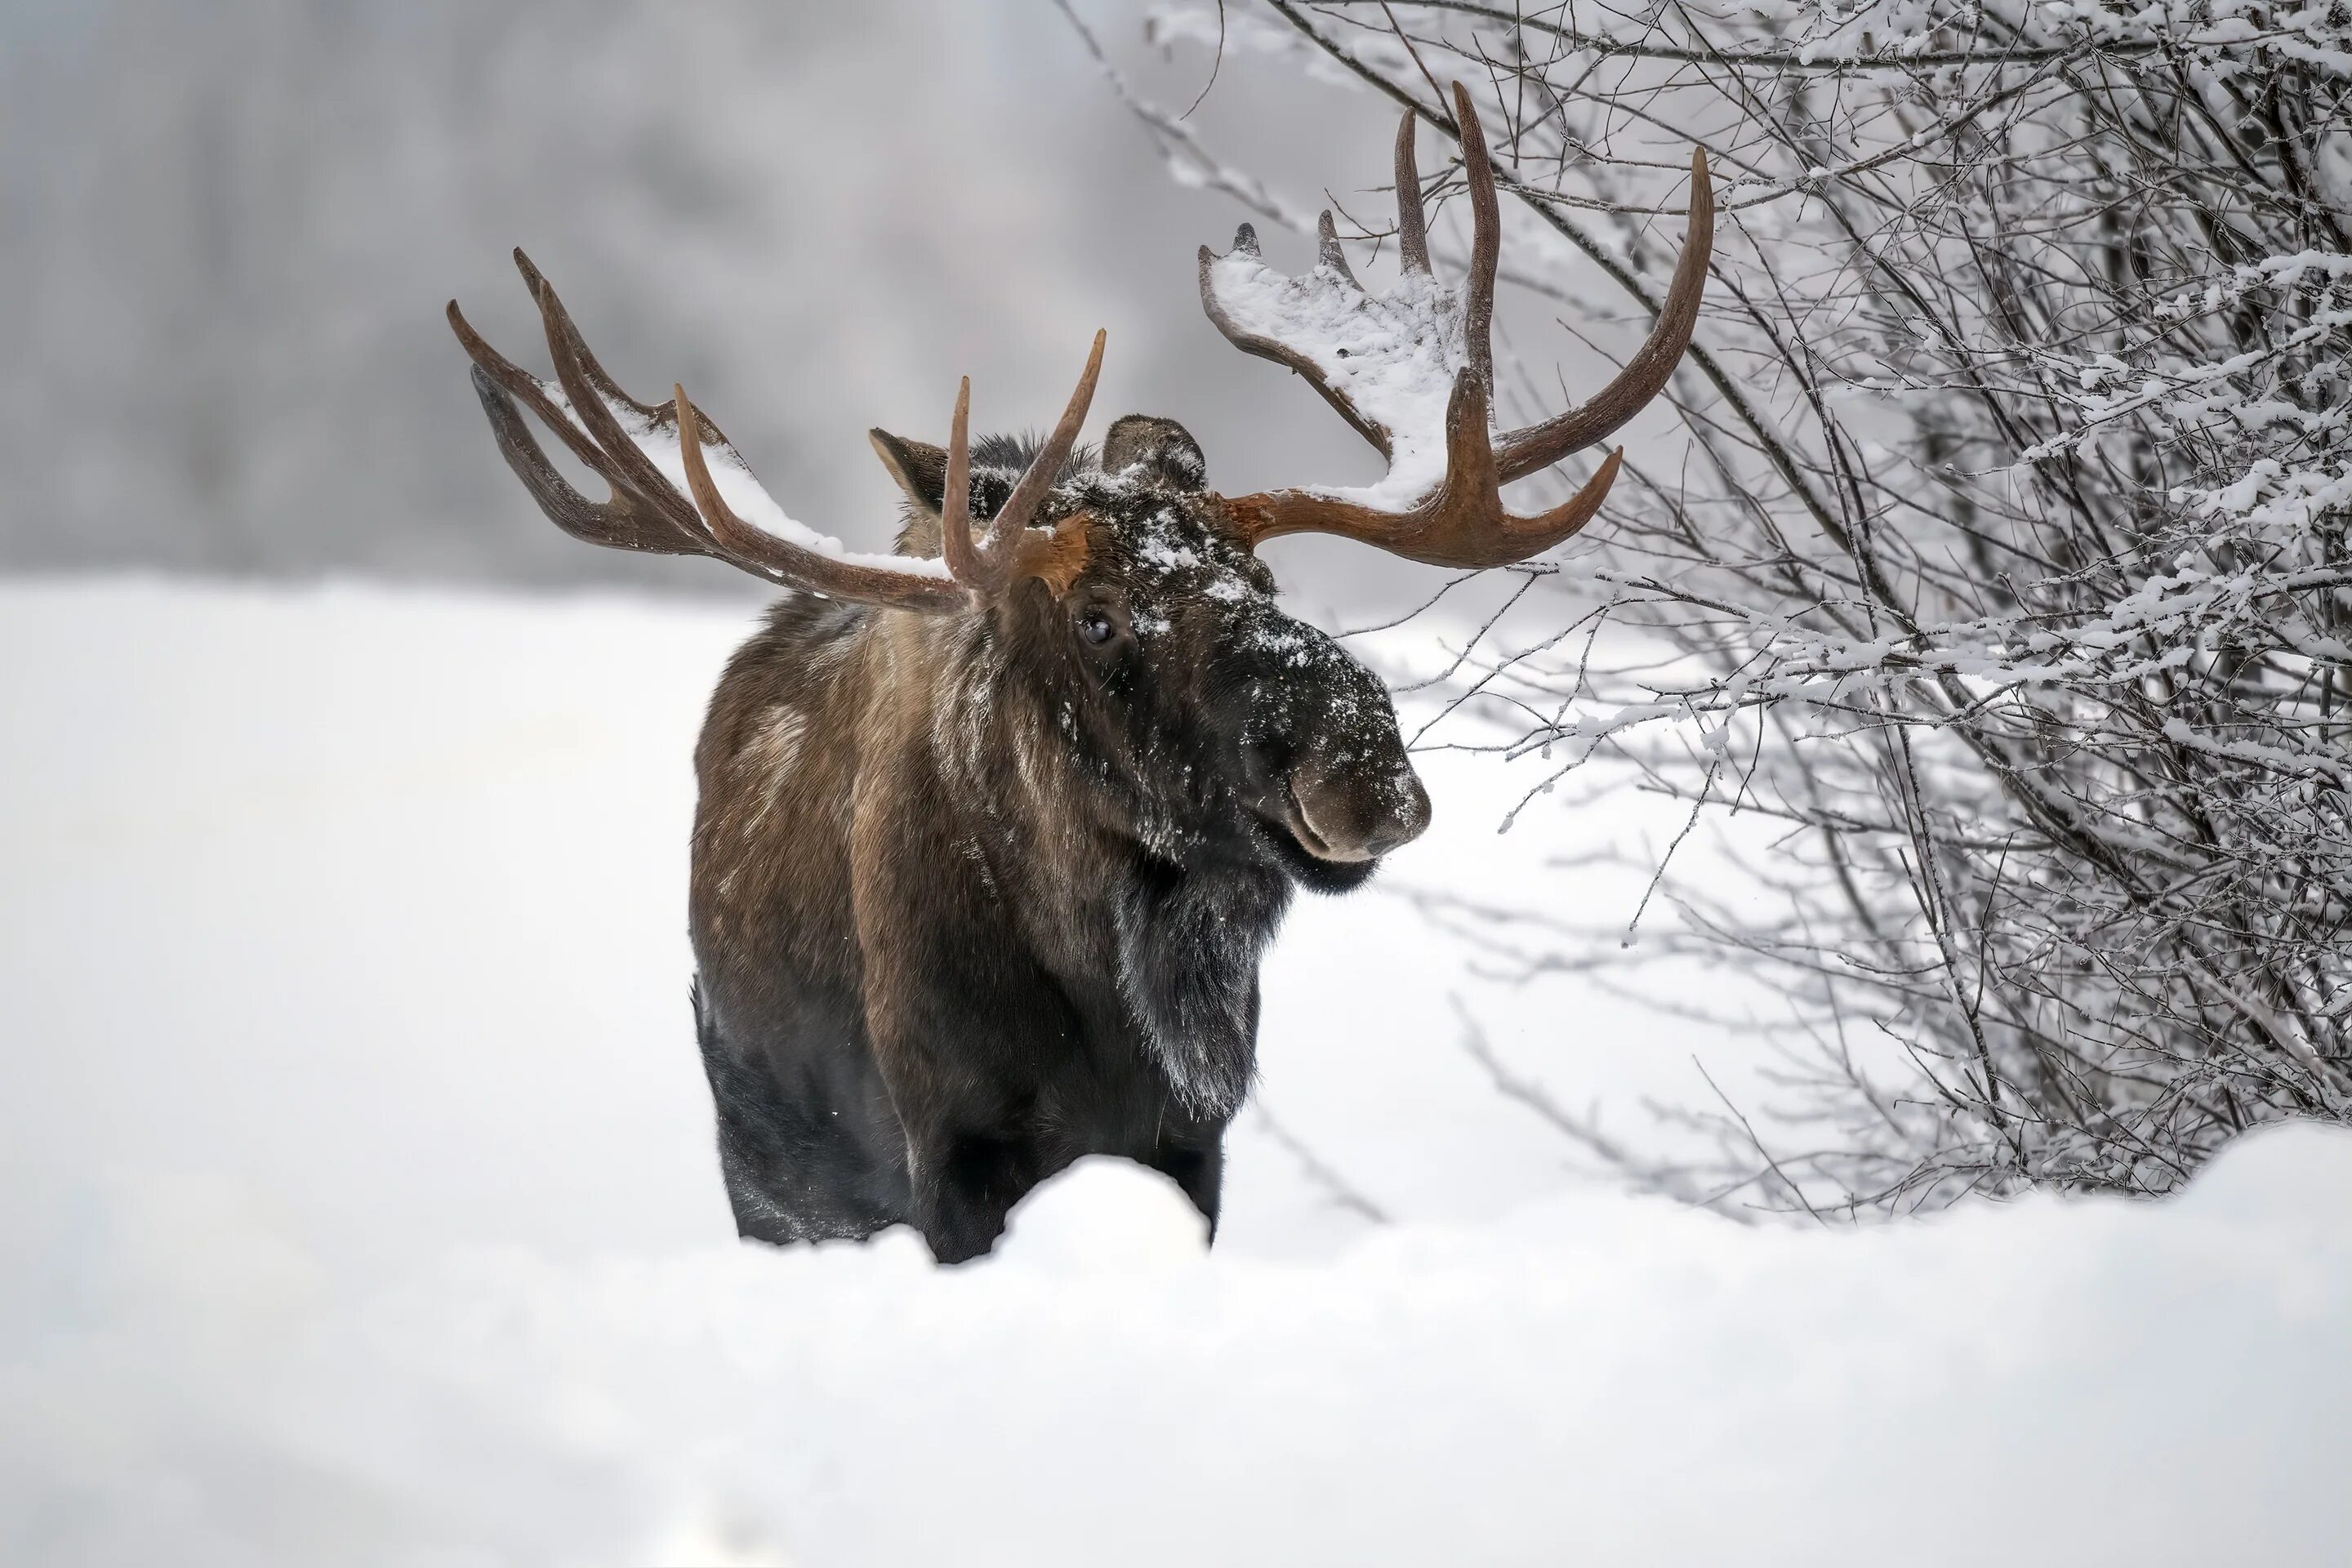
point(993, 830)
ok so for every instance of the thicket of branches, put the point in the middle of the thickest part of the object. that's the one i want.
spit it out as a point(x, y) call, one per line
point(2007, 570)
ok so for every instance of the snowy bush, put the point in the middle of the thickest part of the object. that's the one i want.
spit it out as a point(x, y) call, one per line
point(1998, 559)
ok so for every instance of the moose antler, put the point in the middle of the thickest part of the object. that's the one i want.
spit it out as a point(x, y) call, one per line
point(677, 497)
point(1413, 371)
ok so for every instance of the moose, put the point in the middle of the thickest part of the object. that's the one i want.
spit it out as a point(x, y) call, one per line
point(993, 830)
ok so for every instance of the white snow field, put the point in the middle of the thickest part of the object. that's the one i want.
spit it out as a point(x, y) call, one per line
point(360, 1205)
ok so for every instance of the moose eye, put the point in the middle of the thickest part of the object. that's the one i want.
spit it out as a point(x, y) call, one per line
point(1096, 628)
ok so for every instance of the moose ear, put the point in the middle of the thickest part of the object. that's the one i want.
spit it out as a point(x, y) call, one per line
point(1161, 447)
point(920, 468)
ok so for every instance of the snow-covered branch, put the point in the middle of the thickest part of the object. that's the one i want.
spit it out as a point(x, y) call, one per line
point(2008, 571)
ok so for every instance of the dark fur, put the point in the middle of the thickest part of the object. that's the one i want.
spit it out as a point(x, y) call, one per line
point(973, 897)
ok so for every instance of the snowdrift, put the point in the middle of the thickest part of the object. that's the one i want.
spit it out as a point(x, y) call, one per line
point(1596, 1379)
point(362, 1209)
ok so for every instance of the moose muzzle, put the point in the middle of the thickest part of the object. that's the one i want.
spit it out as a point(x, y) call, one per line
point(1356, 809)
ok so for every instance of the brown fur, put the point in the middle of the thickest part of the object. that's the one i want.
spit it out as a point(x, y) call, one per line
point(972, 897)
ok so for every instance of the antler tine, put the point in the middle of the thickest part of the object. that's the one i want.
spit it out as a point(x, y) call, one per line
point(1412, 229)
point(503, 372)
point(955, 494)
point(1568, 519)
point(1327, 252)
point(1043, 468)
point(1486, 242)
point(1522, 452)
point(536, 281)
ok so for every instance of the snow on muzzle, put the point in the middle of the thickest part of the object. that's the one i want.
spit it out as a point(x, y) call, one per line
point(1347, 792)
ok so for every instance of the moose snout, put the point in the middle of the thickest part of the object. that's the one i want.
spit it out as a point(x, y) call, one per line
point(1358, 813)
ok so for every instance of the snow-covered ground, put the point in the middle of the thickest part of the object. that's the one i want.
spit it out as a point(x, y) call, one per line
point(361, 1206)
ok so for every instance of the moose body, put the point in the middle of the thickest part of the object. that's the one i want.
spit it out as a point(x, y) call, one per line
point(993, 831)
point(973, 895)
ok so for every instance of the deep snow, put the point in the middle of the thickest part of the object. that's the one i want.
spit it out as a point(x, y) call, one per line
point(358, 1186)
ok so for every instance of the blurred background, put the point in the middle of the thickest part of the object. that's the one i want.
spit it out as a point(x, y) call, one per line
point(227, 231)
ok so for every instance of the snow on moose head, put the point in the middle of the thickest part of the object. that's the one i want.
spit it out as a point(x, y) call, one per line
point(994, 829)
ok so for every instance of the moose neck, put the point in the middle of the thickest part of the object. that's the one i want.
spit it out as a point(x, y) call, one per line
point(1103, 868)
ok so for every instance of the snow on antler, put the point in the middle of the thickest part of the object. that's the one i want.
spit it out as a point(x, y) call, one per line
point(1392, 356)
point(1413, 371)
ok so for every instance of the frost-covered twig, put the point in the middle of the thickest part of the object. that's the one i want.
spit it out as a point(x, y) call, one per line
point(2007, 575)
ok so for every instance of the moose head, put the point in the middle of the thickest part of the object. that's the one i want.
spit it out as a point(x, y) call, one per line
point(1102, 685)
